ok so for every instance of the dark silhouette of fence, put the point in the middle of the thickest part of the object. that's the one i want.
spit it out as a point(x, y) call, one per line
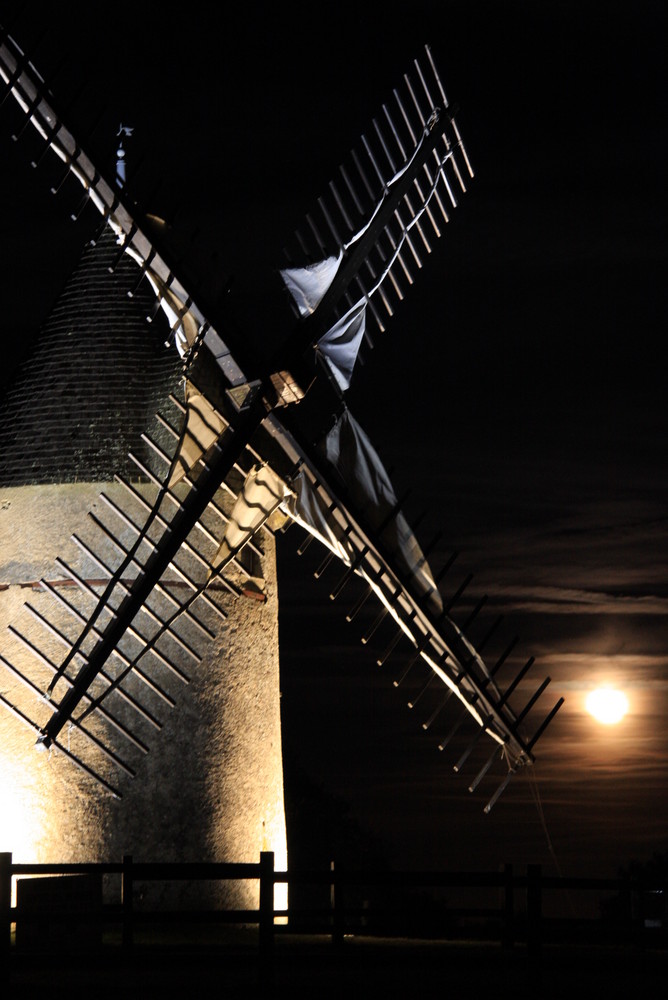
point(635, 909)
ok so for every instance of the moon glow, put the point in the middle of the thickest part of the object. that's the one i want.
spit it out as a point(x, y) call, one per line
point(607, 705)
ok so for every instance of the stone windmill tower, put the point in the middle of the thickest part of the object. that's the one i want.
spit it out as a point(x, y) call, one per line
point(168, 600)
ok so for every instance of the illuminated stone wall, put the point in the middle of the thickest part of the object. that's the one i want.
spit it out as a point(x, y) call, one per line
point(211, 787)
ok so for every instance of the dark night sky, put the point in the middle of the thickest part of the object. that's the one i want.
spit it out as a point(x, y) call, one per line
point(519, 391)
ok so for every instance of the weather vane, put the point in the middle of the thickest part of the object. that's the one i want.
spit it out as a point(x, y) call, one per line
point(124, 131)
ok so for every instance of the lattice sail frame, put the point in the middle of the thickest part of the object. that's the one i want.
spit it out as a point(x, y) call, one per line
point(374, 224)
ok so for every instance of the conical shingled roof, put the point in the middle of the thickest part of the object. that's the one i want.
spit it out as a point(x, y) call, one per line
point(97, 374)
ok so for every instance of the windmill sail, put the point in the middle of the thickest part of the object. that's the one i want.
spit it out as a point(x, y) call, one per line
point(204, 498)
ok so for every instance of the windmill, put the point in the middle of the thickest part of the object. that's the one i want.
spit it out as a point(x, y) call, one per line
point(272, 430)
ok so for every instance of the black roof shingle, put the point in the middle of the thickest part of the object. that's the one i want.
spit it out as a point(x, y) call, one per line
point(97, 374)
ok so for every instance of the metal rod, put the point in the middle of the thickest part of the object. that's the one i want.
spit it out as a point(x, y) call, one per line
point(488, 635)
point(532, 700)
point(502, 659)
point(353, 193)
point(444, 177)
point(340, 206)
point(436, 76)
point(393, 168)
point(437, 711)
point(365, 181)
point(414, 659)
point(511, 687)
point(367, 262)
point(390, 648)
point(42, 697)
point(203, 596)
point(319, 240)
point(476, 611)
point(130, 629)
point(323, 565)
point(446, 739)
point(485, 768)
point(409, 205)
point(62, 749)
point(497, 794)
point(430, 680)
point(430, 101)
point(474, 742)
point(330, 222)
point(380, 618)
point(458, 593)
point(541, 729)
point(209, 634)
point(426, 168)
point(305, 544)
point(131, 524)
point(416, 182)
point(193, 507)
point(35, 650)
point(393, 244)
point(349, 573)
point(359, 604)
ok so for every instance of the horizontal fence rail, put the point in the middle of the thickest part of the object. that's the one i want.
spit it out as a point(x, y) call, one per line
point(519, 915)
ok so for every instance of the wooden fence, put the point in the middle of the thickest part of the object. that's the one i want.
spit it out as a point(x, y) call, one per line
point(517, 917)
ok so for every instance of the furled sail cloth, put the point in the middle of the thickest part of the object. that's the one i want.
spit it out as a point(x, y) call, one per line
point(349, 452)
point(306, 506)
point(340, 345)
point(263, 491)
point(310, 506)
point(348, 449)
point(308, 284)
point(202, 427)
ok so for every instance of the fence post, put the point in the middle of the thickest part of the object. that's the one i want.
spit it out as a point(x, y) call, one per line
point(508, 908)
point(534, 910)
point(5, 904)
point(127, 888)
point(336, 903)
point(627, 909)
point(266, 921)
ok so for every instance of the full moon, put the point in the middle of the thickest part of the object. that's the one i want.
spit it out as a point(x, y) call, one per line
point(607, 705)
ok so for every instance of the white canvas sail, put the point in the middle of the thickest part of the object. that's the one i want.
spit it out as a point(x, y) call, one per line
point(340, 345)
point(308, 284)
